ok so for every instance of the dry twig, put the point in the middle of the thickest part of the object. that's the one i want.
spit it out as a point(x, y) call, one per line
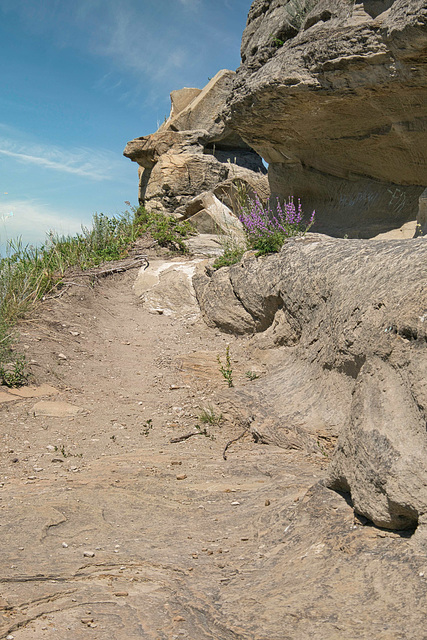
point(230, 442)
point(185, 437)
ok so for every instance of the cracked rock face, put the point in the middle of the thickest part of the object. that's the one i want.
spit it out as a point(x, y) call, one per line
point(195, 151)
point(333, 95)
point(350, 320)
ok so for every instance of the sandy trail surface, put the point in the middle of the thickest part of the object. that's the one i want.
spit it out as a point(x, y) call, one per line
point(111, 531)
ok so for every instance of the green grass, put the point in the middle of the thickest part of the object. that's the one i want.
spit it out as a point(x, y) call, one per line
point(231, 255)
point(208, 416)
point(29, 273)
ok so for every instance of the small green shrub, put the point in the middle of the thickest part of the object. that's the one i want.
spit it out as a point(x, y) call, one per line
point(267, 229)
point(232, 254)
point(226, 370)
point(167, 230)
point(28, 273)
point(14, 374)
point(251, 375)
point(146, 427)
point(208, 416)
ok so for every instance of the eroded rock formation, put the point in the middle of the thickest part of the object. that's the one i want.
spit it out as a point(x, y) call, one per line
point(333, 95)
point(194, 152)
point(350, 320)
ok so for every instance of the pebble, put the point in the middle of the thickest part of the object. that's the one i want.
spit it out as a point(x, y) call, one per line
point(267, 503)
point(234, 504)
point(65, 545)
point(88, 554)
point(62, 356)
point(121, 594)
point(181, 477)
point(50, 447)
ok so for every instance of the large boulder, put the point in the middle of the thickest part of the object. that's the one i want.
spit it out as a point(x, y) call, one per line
point(333, 95)
point(348, 323)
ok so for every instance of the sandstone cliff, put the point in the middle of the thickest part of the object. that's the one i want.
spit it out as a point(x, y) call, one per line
point(333, 95)
point(348, 322)
point(195, 152)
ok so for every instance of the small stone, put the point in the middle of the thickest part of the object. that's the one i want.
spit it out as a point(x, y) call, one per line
point(87, 620)
point(121, 594)
point(75, 333)
point(88, 554)
point(181, 477)
point(176, 462)
point(32, 478)
point(10, 637)
point(57, 460)
point(267, 503)
point(50, 447)
point(37, 469)
point(15, 460)
point(234, 504)
point(179, 619)
point(62, 356)
point(244, 539)
point(65, 545)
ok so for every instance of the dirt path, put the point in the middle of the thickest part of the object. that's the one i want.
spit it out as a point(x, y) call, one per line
point(110, 531)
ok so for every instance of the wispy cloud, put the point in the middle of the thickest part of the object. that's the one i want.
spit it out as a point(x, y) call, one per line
point(86, 163)
point(31, 219)
point(85, 171)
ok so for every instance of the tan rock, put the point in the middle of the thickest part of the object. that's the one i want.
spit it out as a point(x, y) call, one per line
point(176, 178)
point(34, 392)
point(350, 316)
point(212, 216)
point(203, 111)
point(380, 455)
point(193, 151)
point(6, 397)
point(167, 287)
point(56, 409)
point(181, 98)
point(335, 100)
point(421, 229)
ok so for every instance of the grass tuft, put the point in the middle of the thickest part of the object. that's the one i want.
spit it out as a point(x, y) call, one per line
point(29, 273)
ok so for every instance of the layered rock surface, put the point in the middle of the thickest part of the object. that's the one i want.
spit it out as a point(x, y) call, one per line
point(349, 319)
point(194, 152)
point(333, 95)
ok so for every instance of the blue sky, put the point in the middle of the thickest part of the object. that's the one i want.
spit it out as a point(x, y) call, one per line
point(81, 78)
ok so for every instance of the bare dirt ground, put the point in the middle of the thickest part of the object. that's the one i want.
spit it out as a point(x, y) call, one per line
point(111, 531)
